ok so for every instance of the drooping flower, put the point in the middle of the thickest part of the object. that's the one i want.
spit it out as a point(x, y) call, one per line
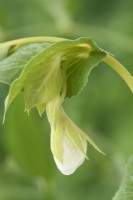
point(42, 76)
point(68, 142)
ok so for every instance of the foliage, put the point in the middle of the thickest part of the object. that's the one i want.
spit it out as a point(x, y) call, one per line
point(104, 109)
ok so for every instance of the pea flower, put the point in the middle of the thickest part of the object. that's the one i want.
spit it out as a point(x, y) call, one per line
point(48, 70)
point(68, 142)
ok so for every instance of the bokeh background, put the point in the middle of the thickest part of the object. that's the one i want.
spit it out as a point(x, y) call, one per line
point(104, 109)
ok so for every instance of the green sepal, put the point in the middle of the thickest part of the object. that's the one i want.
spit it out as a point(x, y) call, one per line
point(41, 109)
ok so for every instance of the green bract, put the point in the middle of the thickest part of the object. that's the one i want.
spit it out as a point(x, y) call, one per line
point(47, 69)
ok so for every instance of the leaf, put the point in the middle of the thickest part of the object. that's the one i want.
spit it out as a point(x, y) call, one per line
point(77, 74)
point(125, 191)
point(44, 83)
point(65, 48)
point(11, 66)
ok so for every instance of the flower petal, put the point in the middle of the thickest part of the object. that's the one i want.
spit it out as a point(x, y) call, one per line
point(72, 157)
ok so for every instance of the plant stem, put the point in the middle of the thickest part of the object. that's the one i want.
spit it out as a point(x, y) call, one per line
point(32, 39)
point(120, 69)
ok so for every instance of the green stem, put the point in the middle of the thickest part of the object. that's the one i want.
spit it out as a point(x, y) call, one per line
point(120, 69)
point(32, 39)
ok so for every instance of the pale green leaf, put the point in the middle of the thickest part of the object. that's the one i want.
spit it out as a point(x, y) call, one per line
point(12, 65)
point(44, 83)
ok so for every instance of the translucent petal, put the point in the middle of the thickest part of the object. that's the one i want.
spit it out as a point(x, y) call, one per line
point(72, 157)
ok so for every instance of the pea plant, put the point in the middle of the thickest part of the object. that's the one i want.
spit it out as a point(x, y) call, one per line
point(48, 70)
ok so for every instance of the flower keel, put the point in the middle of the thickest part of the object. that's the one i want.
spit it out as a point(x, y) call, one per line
point(72, 157)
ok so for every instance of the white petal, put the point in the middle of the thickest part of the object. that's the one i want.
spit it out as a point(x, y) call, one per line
point(72, 157)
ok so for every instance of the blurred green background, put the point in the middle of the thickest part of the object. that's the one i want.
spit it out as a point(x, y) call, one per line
point(104, 109)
